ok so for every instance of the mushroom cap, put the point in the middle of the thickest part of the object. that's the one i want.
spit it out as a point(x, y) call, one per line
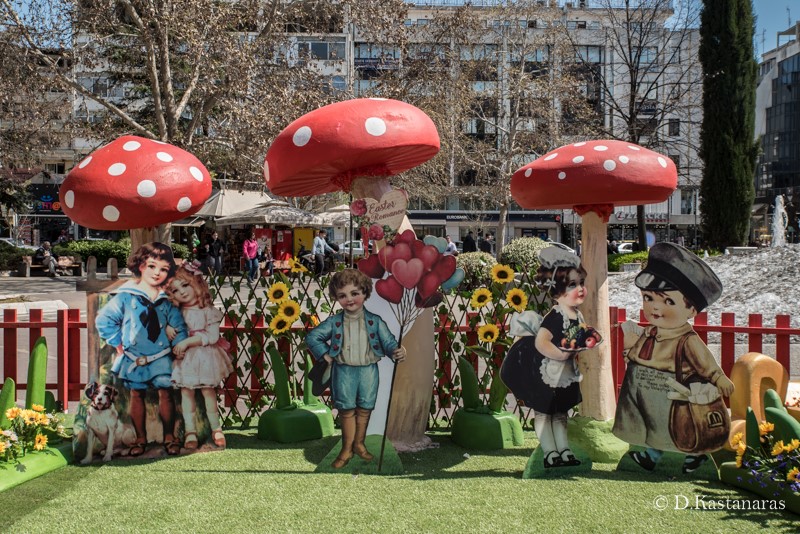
point(325, 149)
point(134, 182)
point(595, 173)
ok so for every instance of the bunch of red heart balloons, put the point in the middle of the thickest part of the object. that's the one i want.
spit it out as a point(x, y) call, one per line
point(413, 267)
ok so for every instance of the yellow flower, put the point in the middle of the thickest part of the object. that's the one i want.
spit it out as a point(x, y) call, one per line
point(488, 333)
point(737, 438)
point(738, 460)
point(289, 309)
point(296, 266)
point(278, 292)
point(13, 413)
point(37, 407)
point(791, 476)
point(29, 416)
point(42, 419)
point(517, 299)
point(765, 428)
point(795, 443)
point(2, 447)
point(480, 298)
point(280, 324)
point(741, 448)
point(777, 448)
point(502, 273)
point(40, 443)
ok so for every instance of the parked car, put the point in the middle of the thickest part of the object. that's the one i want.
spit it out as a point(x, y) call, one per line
point(17, 244)
point(561, 246)
point(625, 248)
point(357, 246)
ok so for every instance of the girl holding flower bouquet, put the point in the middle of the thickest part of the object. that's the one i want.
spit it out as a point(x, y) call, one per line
point(202, 360)
point(539, 369)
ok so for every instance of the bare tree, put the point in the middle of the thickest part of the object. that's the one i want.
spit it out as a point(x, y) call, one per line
point(649, 80)
point(219, 79)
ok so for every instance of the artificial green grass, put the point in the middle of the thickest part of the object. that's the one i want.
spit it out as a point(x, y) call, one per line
point(391, 465)
point(258, 486)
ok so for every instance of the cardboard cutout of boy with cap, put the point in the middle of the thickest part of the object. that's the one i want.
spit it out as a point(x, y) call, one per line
point(675, 286)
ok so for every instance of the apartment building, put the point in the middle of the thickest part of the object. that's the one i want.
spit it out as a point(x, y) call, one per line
point(354, 64)
point(778, 132)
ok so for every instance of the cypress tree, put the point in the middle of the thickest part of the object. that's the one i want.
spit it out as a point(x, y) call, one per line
point(727, 146)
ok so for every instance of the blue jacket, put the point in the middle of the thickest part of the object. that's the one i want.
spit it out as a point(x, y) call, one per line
point(327, 337)
point(119, 321)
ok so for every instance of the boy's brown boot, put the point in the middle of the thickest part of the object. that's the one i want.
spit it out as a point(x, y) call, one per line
point(362, 422)
point(348, 421)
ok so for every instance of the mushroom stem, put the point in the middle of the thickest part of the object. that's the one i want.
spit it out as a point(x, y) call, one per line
point(597, 387)
point(153, 234)
point(408, 414)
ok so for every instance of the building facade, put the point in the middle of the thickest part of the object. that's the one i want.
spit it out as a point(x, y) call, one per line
point(778, 133)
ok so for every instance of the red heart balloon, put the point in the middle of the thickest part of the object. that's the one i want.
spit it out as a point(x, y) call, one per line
point(429, 302)
point(428, 254)
point(389, 289)
point(416, 248)
point(408, 273)
point(428, 285)
point(401, 251)
point(371, 266)
point(444, 267)
point(384, 254)
point(406, 237)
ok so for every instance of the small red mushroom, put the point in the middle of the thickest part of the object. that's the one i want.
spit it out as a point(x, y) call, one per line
point(330, 148)
point(134, 182)
point(592, 177)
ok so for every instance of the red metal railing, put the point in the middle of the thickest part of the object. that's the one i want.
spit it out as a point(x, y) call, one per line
point(70, 353)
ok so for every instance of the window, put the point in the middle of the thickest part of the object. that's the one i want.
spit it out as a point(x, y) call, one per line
point(648, 55)
point(532, 24)
point(688, 197)
point(422, 22)
point(338, 83)
point(321, 50)
point(674, 127)
point(55, 168)
point(589, 54)
point(576, 25)
point(676, 158)
point(674, 54)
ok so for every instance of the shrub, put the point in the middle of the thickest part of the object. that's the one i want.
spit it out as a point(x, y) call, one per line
point(523, 253)
point(615, 261)
point(10, 256)
point(102, 250)
point(178, 250)
point(477, 268)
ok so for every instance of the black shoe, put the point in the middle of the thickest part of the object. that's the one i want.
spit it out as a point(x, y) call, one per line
point(568, 458)
point(553, 459)
point(643, 460)
point(693, 463)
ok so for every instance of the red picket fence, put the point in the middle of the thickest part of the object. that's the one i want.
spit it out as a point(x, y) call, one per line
point(69, 351)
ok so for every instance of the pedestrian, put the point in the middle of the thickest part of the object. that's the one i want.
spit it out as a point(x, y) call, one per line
point(203, 255)
point(216, 251)
point(579, 248)
point(318, 249)
point(250, 255)
point(469, 243)
point(485, 244)
point(450, 249)
point(44, 255)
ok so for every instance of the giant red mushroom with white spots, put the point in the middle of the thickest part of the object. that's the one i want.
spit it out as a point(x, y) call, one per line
point(355, 146)
point(135, 183)
point(592, 177)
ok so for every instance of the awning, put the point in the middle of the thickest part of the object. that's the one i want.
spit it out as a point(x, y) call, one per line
point(192, 221)
point(757, 208)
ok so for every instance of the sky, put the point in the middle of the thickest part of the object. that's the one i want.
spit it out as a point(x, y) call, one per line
point(771, 19)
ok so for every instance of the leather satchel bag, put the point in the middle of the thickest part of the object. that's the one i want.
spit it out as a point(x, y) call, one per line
point(696, 428)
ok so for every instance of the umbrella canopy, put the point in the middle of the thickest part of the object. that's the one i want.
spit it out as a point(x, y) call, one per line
point(227, 202)
point(271, 212)
point(336, 216)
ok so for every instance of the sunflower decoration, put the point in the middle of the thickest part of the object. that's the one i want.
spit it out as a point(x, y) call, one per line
point(289, 309)
point(517, 299)
point(278, 292)
point(296, 267)
point(488, 333)
point(502, 274)
point(279, 324)
point(480, 298)
point(40, 443)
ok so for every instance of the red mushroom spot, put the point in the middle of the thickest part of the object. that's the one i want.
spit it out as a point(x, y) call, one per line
point(325, 149)
point(134, 182)
point(593, 173)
